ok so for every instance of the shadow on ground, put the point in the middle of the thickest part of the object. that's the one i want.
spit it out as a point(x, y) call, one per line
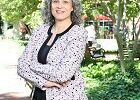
point(12, 96)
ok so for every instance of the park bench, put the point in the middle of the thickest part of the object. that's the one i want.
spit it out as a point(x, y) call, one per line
point(97, 52)
point(94, 52)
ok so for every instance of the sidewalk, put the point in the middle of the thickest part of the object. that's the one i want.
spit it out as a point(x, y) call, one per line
point(12, 87)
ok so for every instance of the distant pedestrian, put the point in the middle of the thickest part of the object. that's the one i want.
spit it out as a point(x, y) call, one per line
point(91, 33)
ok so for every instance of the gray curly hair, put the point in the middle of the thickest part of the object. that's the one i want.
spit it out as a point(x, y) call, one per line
point(75, 14)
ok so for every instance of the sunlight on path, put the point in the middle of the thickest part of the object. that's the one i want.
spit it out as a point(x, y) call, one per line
point(11, 84)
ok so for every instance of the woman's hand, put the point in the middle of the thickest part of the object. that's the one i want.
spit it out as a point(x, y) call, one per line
point(49, 84)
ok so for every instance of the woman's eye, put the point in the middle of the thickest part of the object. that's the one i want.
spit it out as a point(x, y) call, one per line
point(55, 1)
point(66, 2)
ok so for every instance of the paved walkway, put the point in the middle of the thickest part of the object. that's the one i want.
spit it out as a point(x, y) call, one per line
point(12, 87)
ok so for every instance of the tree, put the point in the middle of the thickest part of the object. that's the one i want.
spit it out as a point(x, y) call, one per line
point(89, 8)
point(119, 39)
point(13, 11)
point(115, 10)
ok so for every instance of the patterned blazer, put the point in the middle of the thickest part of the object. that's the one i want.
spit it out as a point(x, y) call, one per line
point(63, 61)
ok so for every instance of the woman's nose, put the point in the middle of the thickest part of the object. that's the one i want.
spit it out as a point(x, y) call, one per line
point(59, 5)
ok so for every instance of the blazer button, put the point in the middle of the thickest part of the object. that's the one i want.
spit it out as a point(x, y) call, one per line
point(73, 77)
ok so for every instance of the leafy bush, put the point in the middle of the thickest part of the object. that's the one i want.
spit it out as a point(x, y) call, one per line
point(104, 80)
point(99, 70)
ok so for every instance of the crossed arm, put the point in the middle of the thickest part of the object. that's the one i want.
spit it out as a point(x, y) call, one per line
point(60, 72)
point(68, 64)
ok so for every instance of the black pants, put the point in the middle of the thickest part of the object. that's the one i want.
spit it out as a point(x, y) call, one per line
point(90, 43)
point(39, 94)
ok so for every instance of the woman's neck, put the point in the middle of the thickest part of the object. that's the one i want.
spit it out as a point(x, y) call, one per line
point(60, 26)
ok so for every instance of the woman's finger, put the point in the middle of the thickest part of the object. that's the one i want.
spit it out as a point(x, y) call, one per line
point(58, 85)
point(65, 83)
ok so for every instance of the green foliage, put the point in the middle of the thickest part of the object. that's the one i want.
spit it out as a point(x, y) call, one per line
point(99, 70)
point(121, 87)
point(13, 11)
point(89, 8)
point(133, 9)
point(35, 19)
point(110, 8)
point(104, 80)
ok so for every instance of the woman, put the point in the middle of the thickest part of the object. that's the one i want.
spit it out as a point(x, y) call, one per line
point(51, 60)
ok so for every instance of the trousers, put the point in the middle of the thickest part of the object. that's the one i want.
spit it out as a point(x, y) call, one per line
point(39, 94)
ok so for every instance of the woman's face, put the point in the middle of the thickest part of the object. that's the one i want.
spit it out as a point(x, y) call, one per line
point(61, 9)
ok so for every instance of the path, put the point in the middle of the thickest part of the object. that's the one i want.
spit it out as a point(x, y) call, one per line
point(12, 87)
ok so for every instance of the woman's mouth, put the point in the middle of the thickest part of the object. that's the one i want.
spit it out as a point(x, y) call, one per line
point(59, 11)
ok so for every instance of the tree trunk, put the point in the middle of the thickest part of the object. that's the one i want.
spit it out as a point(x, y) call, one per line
point(135, 39)
point(119, 38)
point(135, 46)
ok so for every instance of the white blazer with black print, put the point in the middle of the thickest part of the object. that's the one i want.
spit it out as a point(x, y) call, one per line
point(63, 61)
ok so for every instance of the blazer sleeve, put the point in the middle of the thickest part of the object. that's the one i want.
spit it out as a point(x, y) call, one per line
point(24, 63)
point(70, 62)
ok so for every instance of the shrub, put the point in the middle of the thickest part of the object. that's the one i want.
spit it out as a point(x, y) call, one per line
point(104, 80)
